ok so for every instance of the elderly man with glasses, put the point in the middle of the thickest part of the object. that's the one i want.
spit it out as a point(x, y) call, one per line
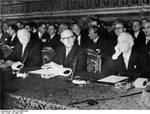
point(67, 54)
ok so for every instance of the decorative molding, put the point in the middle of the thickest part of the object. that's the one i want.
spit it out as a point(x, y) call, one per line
point(57, 8)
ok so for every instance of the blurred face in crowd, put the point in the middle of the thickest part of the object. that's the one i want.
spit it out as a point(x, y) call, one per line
point(23, 36)
point(51, 30)
point(28, 28)
point(61, 28)
point(11, 31)
point(92, 34)
point(125, 42)
point(76, 29)
point(67, 38)
point(143, 22)
point(5, 27)
point(119, 28)
point(42, 28)
point(136, 26)
point(19, 25)
point(146, 29)
point(93, 23)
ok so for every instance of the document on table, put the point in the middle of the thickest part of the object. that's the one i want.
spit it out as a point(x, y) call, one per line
point(41, 71)
point(113, 79)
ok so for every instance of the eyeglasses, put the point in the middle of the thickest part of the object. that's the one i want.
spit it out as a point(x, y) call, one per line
point(117, 28)
point(70, 37)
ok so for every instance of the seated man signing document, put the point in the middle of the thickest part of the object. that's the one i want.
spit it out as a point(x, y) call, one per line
point(125, 61)
point(69, 54)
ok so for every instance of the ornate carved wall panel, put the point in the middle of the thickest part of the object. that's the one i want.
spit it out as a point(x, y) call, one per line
point(25, 9)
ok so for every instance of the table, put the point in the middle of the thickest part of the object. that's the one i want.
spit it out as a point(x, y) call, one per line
point(59, 93)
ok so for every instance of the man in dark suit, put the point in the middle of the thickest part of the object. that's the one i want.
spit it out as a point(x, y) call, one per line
point(146, 47)
point(125, 61)
point(13, 33)
point(53, 40)
point(26, 53)
point(1, 54)
point(99, 43)
point(117, 27)
point(139, 36)
point(3, 36)
point(81, 38)
point(69, 53)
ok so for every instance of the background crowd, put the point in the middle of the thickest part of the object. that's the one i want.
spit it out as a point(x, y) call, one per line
point(89, 32)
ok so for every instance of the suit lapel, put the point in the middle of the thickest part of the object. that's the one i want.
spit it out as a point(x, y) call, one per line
point(131, 60)
point(72, 52)
point(122, 63)
point(148, 45)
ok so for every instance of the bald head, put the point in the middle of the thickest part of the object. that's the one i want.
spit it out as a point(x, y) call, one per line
point(66, 33)
point(23, 36)
point(67, 38)
point(125, 41)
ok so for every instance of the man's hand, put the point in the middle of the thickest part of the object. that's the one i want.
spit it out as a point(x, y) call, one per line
point(117, 52)
point(17, 65)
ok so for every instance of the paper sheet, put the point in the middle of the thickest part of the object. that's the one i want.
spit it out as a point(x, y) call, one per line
point(113, 79)
point(41, 71)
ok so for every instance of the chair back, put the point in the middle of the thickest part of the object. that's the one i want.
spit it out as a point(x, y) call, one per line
point(93, 61)
point(48, 54)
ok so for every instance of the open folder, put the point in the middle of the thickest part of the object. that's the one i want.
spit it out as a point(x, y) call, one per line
point(113, 79)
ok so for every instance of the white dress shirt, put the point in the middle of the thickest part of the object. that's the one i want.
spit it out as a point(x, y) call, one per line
point(147, 39)
point(40, 35)
point(126, 57)
point(136, 34)
point(67, 51)
point(79, 40)
point(95, 40)
point(51, 36)
point(1, 35)
point(23, 49)
point(13, 37)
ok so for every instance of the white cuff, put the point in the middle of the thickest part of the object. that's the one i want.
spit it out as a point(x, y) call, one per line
point(115, 56)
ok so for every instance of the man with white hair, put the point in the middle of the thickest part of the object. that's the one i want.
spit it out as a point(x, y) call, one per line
point(27, 53)
point(125, 61)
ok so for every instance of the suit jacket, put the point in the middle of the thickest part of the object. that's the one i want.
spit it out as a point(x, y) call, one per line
point(5, 36)
point(32, 56)
point(136, 66)
point(1, 54)
point(35, 37)
point(103, 45)
point(139, 42)
point(68, 62)
point(54, 43)
point(84, 41)
point(146, 49)
point(13, 42)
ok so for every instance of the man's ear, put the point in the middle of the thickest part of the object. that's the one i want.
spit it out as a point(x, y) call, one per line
point(74, 37)
point(61, 40)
